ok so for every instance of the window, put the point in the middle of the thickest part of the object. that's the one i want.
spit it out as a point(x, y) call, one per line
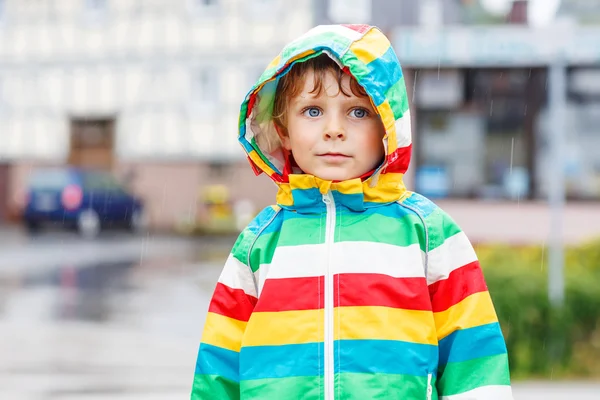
point(95, 5)
point(204, 8)
point(475, 133)
point(205, 87)
point(263, 9)
point(95, 10)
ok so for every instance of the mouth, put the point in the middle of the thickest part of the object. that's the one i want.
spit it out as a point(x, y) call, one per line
point(334, 158)
point(332, 154)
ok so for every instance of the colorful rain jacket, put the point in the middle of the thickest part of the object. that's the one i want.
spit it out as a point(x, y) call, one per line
point(351, 290)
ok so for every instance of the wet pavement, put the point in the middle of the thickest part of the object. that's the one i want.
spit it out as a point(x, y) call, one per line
point(116, 318)
point(120, 317)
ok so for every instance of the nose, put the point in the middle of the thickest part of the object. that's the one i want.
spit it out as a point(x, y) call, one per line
point(334, 128)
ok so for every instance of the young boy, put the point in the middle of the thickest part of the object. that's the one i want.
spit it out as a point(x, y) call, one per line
point(351, 287)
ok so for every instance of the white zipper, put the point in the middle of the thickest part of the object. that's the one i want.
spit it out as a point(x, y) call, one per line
point(429, 387)
point(328, 312)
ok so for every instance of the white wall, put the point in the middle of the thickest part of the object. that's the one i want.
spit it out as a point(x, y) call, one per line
point(138, 60)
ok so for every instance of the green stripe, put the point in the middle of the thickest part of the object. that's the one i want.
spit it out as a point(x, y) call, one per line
point(214, 387)
point(262, 252)
point(404, 231)
point(355, 386)
point(243, 111)
point(445, 228)
point(463, 376)
point(358, 69)
point(242, 245)
point(294, 232)
point(396, 96)
point(300, 387)
point(304, 230)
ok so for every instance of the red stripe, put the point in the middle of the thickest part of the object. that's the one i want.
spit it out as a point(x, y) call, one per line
point(398, 161)
point(290, 294)
point(232, 303)
point(381, 290)
point(461, 283)
point(362, 28)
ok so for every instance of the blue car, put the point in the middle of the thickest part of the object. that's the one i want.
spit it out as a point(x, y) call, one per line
point(85, 199)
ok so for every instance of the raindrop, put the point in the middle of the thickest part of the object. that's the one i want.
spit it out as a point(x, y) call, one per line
point(415, 85)
point(512, 152)
point(491, 107)
point(525, 110)
point(144, 249)
point(439, 66)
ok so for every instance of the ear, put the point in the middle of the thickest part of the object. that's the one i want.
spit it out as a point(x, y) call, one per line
point(284, 137)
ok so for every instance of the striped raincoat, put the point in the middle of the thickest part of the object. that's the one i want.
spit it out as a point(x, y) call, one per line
point(358, 289)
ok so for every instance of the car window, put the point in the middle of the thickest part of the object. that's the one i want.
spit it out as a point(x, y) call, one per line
point(50, 179)
point(98, 181)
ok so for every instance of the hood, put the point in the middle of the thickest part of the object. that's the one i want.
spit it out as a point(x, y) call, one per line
point(367, 54)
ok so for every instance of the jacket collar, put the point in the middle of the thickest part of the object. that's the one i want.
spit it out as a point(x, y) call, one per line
point(304, 193)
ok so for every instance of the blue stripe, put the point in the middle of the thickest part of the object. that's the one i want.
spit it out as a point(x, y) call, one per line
point(425, 206)
point(382, 73)
point(471, 343)
point(260, 362)
point(258, 223)
point(385, 356)
point(354, 201)
point(213, 360)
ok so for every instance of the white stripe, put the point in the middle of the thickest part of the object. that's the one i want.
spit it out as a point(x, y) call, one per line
point(295, 262)
point(379, 258)
point(349, 257)
point(454, 253)
point(404, 130)
point(497, 392)
point(238, 275)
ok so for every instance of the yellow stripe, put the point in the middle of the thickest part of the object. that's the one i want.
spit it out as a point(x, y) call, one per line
point(352, 186)
point(284, 195)
point(384, 323)
point(284, 327)
point(302, 55)
point(275, 62)
point(303, 181)
point(371, 46)
point(389, 188)
point(260, 163)
point(223, 332)
point(475, 310)
point(389, 123)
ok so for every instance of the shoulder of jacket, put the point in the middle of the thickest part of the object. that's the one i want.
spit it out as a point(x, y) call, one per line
point(250, 234)
point(419, 204)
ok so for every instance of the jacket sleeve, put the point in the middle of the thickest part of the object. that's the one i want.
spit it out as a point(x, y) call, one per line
point(473, 361)
point(217, 367)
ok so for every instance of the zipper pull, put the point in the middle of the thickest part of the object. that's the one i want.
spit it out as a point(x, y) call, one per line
point(326, 199)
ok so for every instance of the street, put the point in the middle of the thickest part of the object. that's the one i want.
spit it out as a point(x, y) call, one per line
point(120, 317)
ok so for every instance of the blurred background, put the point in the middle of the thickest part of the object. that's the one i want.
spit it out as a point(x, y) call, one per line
point(123, 187)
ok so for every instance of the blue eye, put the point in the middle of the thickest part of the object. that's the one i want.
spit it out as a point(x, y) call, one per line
point(359, 113)
point(312, 112)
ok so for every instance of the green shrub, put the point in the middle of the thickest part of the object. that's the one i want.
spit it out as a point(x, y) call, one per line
point(542, 341)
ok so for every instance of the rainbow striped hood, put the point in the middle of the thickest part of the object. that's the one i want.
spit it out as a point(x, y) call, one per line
point(369, 57)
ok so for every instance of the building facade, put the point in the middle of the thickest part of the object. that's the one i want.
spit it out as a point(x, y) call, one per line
point(147, 88)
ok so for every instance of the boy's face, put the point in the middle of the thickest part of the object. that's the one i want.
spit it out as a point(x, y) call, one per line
point(333, 136)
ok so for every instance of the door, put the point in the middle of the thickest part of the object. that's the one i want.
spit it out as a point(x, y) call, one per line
point(92, 143)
